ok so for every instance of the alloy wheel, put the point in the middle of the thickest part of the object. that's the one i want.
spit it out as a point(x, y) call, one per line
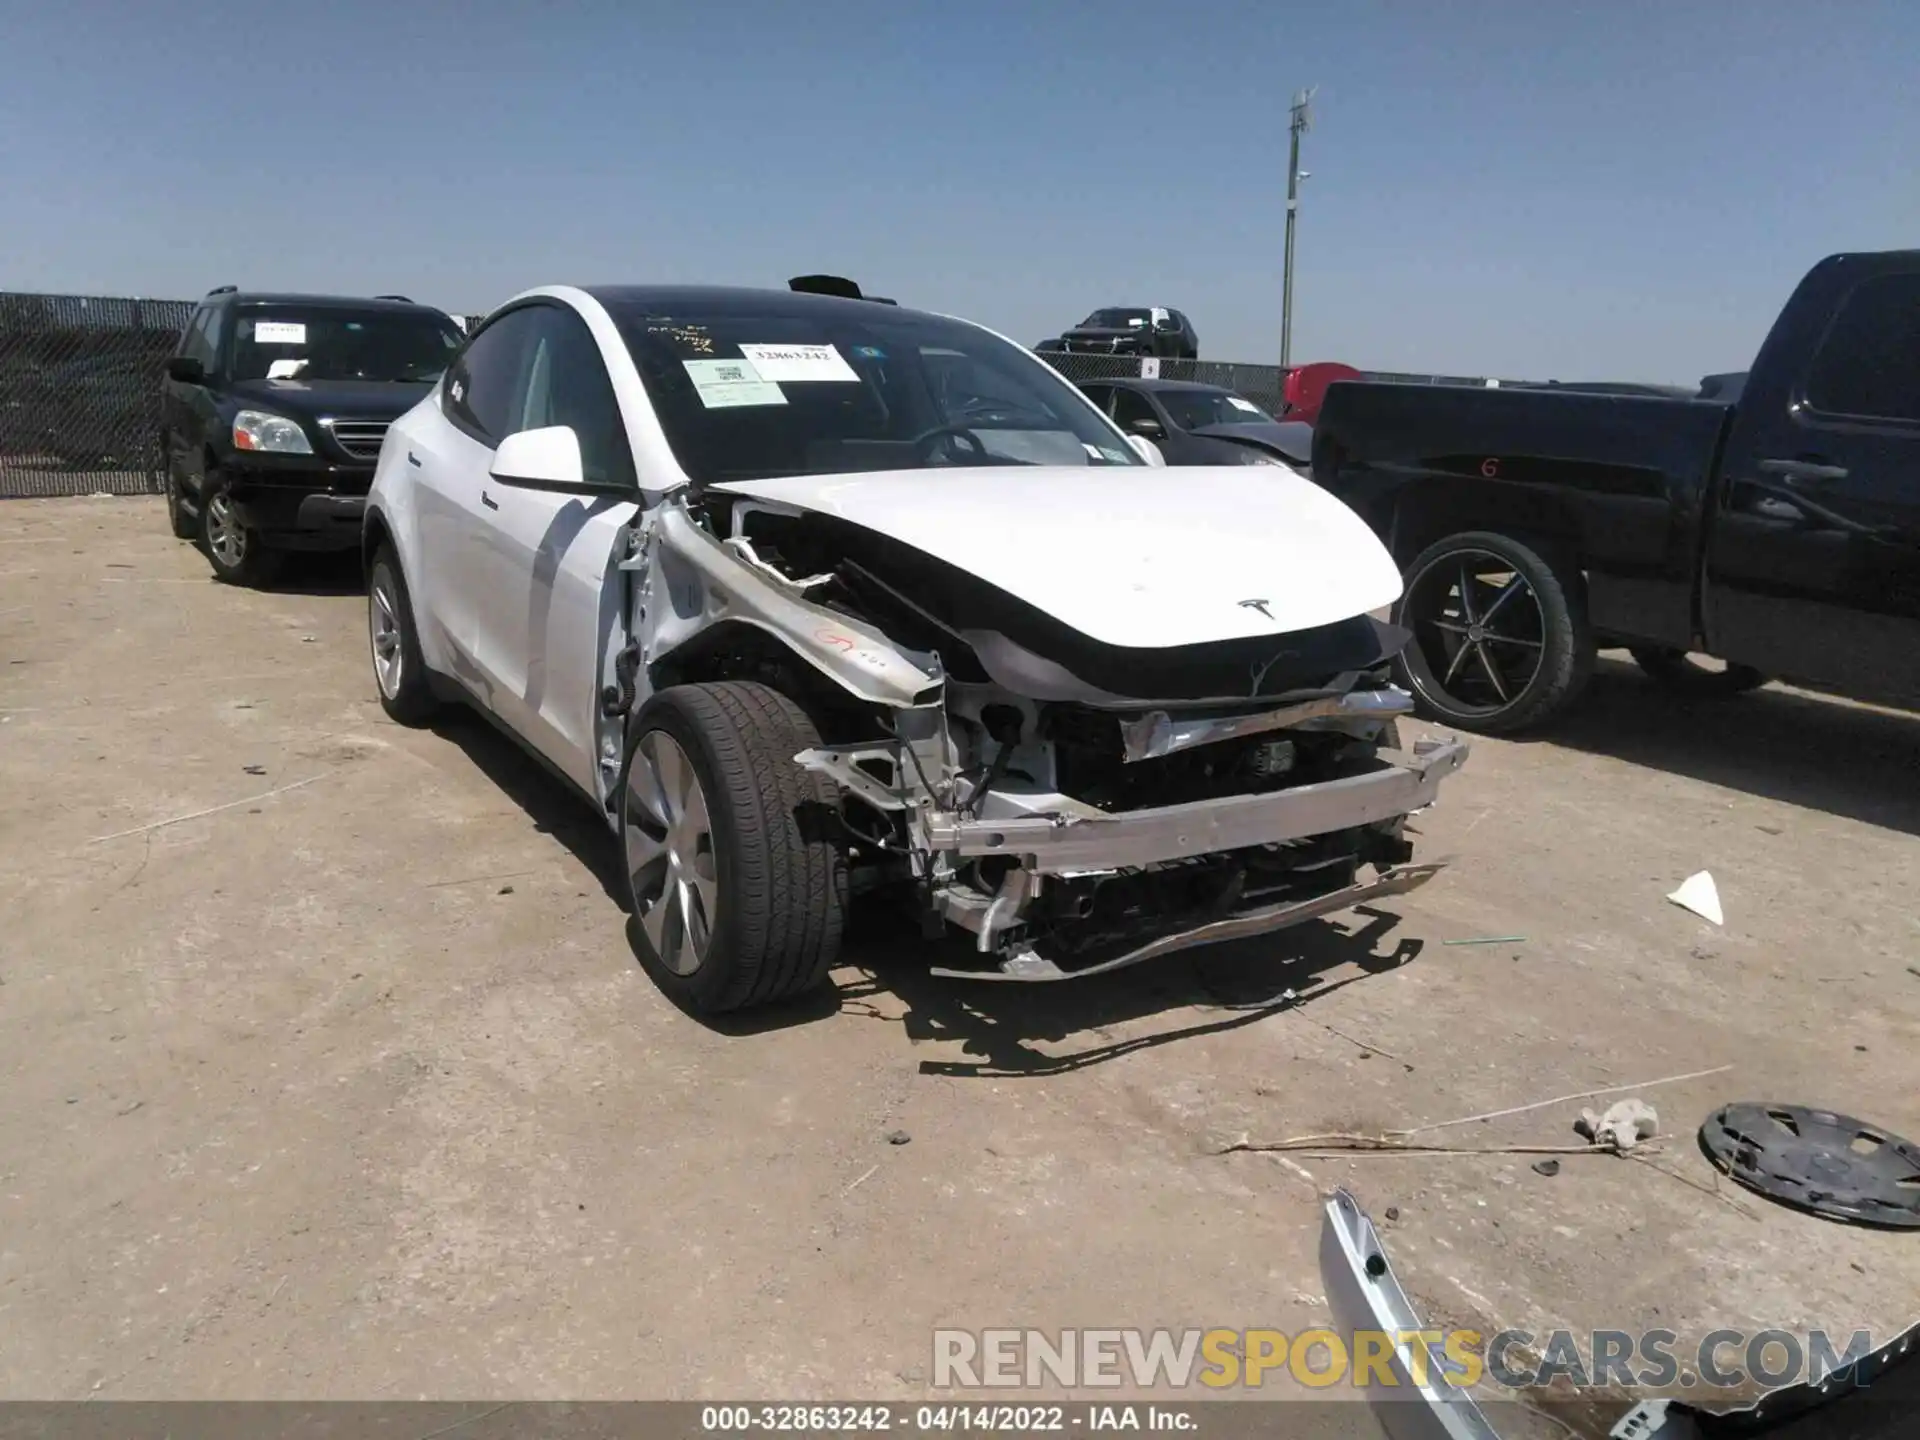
point(670, 853)
point(383, 624)
point(226, 536)
point(1479, 635)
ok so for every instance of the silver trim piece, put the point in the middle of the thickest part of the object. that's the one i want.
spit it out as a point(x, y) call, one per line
point(1423, 1403)
point(1158, 733)
point(361, 439)
point(1055, 843)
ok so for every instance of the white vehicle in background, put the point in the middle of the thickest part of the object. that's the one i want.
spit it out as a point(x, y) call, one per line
point(808, 594)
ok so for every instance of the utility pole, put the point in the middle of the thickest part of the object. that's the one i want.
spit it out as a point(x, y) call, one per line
point(1300, 123)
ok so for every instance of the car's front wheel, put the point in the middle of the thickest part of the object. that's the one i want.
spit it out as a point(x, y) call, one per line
point(234, 549)
point(737, 886)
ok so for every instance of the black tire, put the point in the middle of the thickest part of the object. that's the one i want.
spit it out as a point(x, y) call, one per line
point(778, 881)
point(237, 554)
point(404, 687)
point(1680, 671)
point(184, 523)
point(1528, 663)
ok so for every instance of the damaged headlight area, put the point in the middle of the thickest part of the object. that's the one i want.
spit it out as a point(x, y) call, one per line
point(1071, 805)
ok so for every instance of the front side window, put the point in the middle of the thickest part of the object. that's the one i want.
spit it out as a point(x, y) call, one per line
point(1869, 363)
point(566, 383)
point(294, 342)
point(483, 390)
point(1195, 409)
point(193, 343)
point(754, 388)
point(1130, 407)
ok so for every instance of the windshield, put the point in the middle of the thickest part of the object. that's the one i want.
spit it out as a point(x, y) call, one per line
point(314, 343)
point(748, 391)
point(1196, 409)
point(1117, 320)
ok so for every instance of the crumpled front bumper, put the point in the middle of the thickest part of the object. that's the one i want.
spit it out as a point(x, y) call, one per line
point(1064, 843)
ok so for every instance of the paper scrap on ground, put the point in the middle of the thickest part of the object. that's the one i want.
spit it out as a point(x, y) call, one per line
point(279, 332)
point(1623, 1125)
point(786, 364)
point(725, 383)
point(1699, 894)
point(1239, 404)
point(285, 369)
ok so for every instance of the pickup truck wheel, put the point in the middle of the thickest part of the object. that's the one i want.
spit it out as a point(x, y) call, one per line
point(1500, 641)
point(1682, 672)
point(399, 672)
point(737, 898)
point(237, 554)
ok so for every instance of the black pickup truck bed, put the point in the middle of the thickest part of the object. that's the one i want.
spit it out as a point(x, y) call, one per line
point(1780, 533)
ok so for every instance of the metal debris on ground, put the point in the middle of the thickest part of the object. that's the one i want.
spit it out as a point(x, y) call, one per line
point(1562, 1099)
point(1699, 894)
point(1623, 1125)
point(1489, 940)
point(1835, 1166)
point(1548, 1168)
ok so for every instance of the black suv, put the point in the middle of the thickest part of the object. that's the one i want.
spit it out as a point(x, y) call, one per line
point(1130, 330)
point(272, 414)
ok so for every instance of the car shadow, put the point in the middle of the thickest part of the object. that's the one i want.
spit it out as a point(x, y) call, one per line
point(1000, 1025)
point(1784, 745)
point(550, 803)
point(327, 572)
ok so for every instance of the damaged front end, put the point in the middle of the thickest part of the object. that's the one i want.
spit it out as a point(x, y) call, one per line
point(1074, 805)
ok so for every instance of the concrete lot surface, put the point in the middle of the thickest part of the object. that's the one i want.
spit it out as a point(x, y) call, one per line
point(351, 1087)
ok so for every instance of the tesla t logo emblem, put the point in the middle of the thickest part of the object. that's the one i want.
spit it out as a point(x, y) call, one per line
point(1259, 605)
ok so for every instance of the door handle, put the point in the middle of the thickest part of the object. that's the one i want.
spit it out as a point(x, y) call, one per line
point(1771, 509)
point(1804, 470)
point(488, 501)
point(412, 459)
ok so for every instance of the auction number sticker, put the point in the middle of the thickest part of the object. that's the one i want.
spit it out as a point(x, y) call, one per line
point(799, 363)
point(279, 332)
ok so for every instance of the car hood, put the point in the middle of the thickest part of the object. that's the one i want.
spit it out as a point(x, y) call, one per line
point(1135, 557)
point(1289, 440)
point(317, 399)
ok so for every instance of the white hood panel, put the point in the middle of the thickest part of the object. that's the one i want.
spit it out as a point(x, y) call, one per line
point(1135, 557)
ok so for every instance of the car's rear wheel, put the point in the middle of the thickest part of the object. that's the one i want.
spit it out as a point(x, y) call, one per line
point(234, 549)
point(399, 672)
point(738, 891)
point(1681, 671)
point(182, 521)
point(1500, 639)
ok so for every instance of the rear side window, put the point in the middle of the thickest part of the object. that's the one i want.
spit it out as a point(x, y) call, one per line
point(483, 387)
point(1869, 363)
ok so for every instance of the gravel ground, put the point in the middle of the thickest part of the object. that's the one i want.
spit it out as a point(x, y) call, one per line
point(350, 1086)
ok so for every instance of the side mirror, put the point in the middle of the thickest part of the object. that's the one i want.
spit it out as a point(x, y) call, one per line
point(1148, 451)
point(187, 370)
point(544, 459)
point(1152, 429)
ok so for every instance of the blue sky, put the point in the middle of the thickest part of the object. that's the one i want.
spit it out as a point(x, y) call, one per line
point(1537, 190)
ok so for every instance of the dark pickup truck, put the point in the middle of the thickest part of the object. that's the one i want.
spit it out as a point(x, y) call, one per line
point(1777, 533)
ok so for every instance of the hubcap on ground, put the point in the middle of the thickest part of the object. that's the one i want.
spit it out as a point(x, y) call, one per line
point(383, 622)
point(669, 843)
point(1479, 637)
point(226, 536)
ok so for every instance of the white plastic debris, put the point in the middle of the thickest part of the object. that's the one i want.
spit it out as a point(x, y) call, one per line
point(1623, 1125)
point(1699, 894)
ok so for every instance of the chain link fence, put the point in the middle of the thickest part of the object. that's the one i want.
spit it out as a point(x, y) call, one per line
point(80, 392)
